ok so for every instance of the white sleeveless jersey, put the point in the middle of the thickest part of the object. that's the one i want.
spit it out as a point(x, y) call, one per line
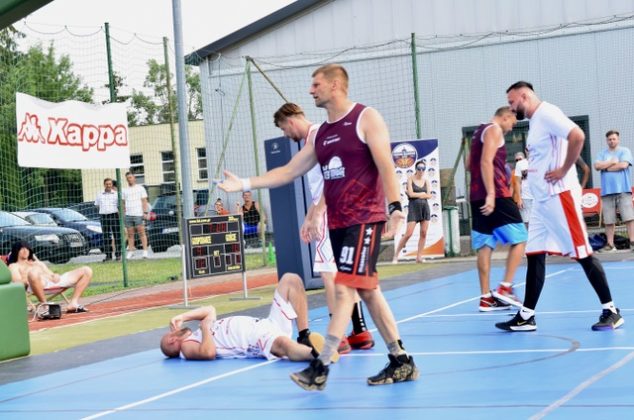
point(234, 337)
point(547, 145)
point(314, 176)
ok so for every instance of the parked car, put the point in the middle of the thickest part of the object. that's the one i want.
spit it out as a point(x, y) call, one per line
point(53, 243)
point(88, 209)
point(35, 218)
point(162, 227)
point(70, 218)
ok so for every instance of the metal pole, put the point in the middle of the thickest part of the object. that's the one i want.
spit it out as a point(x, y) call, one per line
point(188, 199)
point(268, 79)
point(255, 152)
point(177, 166)
point(185, 287)
point(416, 99)
point(122, 235)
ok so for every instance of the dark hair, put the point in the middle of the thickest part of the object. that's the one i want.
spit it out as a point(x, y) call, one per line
point(128, 173)
point(286, 111)
point(107, 179)
point(609, 133)
point(420, 162)
point(15, 250)
point(520, 84)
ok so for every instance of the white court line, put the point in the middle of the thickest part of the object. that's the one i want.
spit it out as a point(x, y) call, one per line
point(497, 313)
point(585, 384)
point(214, 378)
point(486, 352)
point(178, 390)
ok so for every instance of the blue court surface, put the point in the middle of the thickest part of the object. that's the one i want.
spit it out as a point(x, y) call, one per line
point(469, 369)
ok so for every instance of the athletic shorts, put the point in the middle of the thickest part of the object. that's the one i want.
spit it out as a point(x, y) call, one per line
point(132, 221)
point(525, 211)
point(503, 226)
point(557, 227)
point(622, 201)
point(278, 323)
point(356, 250)
point(64, 281)
point(324, 258)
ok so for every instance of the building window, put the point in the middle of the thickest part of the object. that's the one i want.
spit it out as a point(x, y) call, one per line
point(137, 168)
point(167, 164)
point(202, 163)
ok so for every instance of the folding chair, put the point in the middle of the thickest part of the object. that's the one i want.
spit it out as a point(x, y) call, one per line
point(591, 205)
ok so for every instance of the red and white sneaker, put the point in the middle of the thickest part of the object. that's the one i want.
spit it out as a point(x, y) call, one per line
point(488, 304)
point(506, 295)
point(361, 341)
point(344, 346)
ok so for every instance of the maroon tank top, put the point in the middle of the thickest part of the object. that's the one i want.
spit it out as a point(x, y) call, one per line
point(352, 186)
point(500, 176)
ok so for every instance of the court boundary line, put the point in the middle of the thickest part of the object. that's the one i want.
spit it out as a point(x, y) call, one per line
point(487, 352)
point(178, 390)
point(234, 372)
point(582, 386)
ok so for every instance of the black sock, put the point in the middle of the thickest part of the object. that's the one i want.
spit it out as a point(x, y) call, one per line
point(358, 321)
point(535, 275)
point(594, 271)
point(303, 334)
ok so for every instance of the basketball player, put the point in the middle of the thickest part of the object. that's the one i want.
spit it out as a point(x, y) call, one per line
point(291, 119)
point(245, 336)
point(353, 149)
point(556, 224)
point(495, 215)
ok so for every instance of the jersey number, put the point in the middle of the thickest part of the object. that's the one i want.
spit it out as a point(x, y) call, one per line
point(347, 255)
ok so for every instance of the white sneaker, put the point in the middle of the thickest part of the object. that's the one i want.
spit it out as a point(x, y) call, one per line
point(130, 255)
point(144, 254)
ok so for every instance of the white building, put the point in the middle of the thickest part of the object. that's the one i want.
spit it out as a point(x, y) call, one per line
point(577, 53)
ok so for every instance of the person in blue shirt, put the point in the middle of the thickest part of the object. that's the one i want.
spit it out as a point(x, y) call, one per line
point(614, 162)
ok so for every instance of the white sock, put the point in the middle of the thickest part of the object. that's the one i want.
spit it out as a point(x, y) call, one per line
point(506, 284)
point(526, 313)
point(486, 295)
point(609, 305)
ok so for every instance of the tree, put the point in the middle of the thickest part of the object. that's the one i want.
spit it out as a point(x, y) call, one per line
point(153, 108)
point(39, 72)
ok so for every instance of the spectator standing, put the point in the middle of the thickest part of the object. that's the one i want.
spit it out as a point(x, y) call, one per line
point(616, 187)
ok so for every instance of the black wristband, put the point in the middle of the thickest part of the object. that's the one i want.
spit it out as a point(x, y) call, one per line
point(393, 206)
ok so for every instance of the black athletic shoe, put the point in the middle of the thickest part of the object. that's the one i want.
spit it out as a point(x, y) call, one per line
point(609, 321)
point(313, 378)
point(400, 369)
point(518, 324)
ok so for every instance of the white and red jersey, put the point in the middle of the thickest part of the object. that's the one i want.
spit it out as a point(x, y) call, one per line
point(547, 145)
point(233, 337)
point(314, 176)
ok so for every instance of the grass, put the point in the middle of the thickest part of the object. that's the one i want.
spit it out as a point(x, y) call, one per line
point(108, 277)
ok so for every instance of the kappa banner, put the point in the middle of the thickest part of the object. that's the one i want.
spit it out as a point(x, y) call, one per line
point(71, 134)
point(405, 156)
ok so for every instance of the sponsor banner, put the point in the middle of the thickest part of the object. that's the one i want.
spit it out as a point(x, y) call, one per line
point(405, 156)
point(71, 134)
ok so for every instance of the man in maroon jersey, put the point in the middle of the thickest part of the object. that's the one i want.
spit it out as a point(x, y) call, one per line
point(353, 150)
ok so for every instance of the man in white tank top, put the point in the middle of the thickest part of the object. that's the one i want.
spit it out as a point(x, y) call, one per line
point(291, 120)
point(245, 336)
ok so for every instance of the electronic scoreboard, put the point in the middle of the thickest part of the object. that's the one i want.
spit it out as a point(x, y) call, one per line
point(214, 245)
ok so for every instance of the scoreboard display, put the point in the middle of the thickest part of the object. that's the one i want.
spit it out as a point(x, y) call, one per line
point(214, 245)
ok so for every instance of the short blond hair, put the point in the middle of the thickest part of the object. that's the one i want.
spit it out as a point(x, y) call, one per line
point(286, 111)
point(333, 71)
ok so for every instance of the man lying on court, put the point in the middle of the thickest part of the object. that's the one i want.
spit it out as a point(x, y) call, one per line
point(246, 336)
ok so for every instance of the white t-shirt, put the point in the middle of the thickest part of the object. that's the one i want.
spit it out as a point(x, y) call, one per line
point(132, 197)
point(520, 167)
point(314, 176)
point(547, 145)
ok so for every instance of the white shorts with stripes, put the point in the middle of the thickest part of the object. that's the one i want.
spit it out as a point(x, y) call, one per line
point(324, 257)
point(557, 227)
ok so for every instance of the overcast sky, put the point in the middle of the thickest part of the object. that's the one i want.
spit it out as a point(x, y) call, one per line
point(204, 21)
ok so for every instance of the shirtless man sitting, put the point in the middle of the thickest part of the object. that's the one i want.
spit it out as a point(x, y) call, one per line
point(37, 277)
point(246, 336)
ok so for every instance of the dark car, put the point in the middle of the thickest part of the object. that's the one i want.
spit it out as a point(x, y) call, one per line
point(71, 219)
point(52, 243)
point(162, 227)
point(35, 218)
point(88, 209)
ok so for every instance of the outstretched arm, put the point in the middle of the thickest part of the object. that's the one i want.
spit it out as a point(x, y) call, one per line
point(297, 166)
